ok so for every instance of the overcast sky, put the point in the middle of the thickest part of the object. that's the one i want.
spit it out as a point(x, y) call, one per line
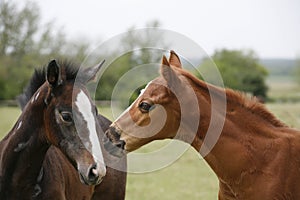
point(270, 27)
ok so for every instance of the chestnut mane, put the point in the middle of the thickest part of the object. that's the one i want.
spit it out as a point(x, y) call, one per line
point(237, 98)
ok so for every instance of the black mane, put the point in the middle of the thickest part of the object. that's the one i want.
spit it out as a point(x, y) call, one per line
point(69, 69)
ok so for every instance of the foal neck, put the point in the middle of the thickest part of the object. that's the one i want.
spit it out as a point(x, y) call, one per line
point(22, 151)
point(233, 109)
point(248, 130)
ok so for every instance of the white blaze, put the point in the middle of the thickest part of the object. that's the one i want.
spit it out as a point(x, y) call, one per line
point(85, 108)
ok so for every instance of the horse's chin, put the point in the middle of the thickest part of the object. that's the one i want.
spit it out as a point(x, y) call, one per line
point(115, 151)
point(121, 153)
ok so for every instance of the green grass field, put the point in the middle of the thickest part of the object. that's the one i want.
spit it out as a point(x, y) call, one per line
point(283, 89)
point(189, 177)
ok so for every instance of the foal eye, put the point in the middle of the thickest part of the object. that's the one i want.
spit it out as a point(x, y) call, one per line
point(145, 107)
point(66, 117)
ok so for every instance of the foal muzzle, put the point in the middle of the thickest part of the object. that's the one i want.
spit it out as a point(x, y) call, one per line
point(113, 144)
point(91, 174)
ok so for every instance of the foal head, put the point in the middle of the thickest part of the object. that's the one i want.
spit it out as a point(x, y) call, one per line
point(155, 114)
point(70, 120)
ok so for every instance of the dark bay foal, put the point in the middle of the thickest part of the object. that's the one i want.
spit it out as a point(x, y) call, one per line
point(58, 179)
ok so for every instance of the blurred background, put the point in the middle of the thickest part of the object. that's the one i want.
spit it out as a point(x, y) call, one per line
point(255, 45)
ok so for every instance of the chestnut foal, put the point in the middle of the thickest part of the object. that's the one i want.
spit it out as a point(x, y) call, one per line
point(255, 156)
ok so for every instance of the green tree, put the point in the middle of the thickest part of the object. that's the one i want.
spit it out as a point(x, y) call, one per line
point(25, 44)
point(18, 45)
point(240, 70)
point(138, 53)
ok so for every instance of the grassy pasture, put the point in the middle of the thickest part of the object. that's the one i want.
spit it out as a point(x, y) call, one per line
point(283, 89)
point(189, 177)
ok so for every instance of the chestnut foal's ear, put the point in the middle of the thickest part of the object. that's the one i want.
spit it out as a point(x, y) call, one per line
point(54, 74)
point(90, 73)
point(174, 59)
point(169, 74)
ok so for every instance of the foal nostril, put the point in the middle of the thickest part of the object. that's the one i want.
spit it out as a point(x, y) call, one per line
point(112, 134)
point(113, 144)
point(120, 144)
point(93, 173)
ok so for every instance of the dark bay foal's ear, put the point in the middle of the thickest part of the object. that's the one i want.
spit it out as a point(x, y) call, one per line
point(54, 74)
point(90, 73)
point(169, 74)
point(53, 77)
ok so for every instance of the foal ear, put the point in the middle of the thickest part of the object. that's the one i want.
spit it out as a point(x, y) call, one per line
point(174, 59)
point(54, 74)
point(90, 73)
point(169, 74)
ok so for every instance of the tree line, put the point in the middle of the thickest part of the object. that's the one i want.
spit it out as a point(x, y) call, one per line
point(25, 44)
